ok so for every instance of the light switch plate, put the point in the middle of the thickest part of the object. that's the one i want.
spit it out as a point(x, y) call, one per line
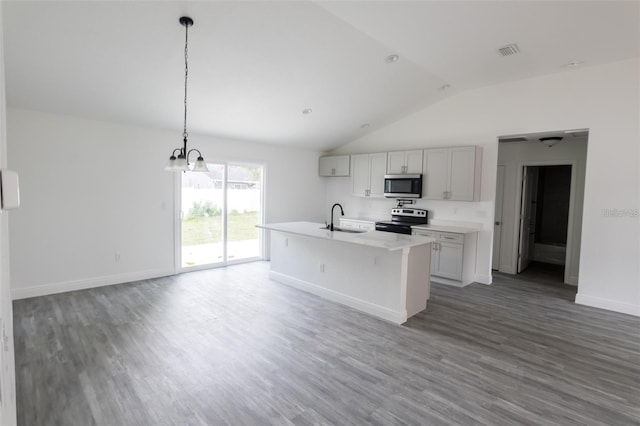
point(9, 189)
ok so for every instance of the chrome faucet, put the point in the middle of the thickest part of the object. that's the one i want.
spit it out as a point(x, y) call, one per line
point(341, 212)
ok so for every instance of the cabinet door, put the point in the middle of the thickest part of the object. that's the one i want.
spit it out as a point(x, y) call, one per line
point(366, 226)
point(434, 259)
point(378, 168)
point(346, 223)
point(413, 161)
point(449, 262)
point(396, 162)
point(342, 165)
point(326, 166)
point(435, 174)
point(360, 175)
point(462, 163)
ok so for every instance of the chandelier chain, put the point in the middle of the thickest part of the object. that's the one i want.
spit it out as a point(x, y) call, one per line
point(186, 74)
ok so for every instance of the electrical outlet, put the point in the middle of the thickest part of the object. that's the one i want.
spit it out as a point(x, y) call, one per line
point(117, 257)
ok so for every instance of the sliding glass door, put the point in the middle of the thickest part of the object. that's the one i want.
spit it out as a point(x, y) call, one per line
point(219, 212)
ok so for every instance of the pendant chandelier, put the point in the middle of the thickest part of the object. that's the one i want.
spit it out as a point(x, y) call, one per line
point(181, 162)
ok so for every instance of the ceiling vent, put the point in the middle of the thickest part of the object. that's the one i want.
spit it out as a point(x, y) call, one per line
point(515, 139)
point(509, 50)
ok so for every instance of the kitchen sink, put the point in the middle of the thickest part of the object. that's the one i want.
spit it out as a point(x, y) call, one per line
point(348, 230)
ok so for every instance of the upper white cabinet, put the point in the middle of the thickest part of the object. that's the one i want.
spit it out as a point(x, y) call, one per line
point(367, 174)
point(452, 173)
point(400, 162)
point(336, 165)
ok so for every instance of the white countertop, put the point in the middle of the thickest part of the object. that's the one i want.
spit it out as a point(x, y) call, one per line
point(446, 228)
point(377, 239)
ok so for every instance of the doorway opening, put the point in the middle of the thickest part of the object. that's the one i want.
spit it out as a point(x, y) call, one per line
point(544, 221)
point(219, 211)
point(540, 183)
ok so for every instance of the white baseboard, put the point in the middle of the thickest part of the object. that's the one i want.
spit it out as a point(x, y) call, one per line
point(62, 287)
point(483, 279)
point(611, 305)
point(398, 317)
point(447, 281)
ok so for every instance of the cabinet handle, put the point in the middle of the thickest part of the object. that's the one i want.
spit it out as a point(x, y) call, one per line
point(450, 238)
point(333, 172)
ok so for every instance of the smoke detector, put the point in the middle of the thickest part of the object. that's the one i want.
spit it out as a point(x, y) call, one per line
point(508, 50)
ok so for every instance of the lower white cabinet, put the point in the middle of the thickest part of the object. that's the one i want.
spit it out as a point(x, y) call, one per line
point(364, 225)
point(452, 256)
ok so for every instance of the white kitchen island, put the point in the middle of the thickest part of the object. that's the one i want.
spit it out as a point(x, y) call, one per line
point(380, 273)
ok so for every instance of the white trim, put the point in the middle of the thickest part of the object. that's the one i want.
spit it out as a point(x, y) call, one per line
point(518, 200)
point(573, 280)
point(177, 221)
point(64, 286)
point(608, 304)
point(447, 281)
point(398, 317)
point(483, 279)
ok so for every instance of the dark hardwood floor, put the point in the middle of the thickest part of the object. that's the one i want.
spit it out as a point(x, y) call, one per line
point(228, 346)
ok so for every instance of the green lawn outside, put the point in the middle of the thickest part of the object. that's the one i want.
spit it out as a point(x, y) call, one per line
point(206, 230)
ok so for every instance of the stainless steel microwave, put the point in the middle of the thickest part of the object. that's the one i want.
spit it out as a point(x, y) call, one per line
point(403, 186)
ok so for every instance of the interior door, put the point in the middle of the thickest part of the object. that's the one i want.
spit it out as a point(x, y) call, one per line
point(497, 224)
point(526, 230)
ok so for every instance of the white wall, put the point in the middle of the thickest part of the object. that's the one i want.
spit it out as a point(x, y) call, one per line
point(513, 155)
point(7, 363)
point(91, 189)
point(604, 99)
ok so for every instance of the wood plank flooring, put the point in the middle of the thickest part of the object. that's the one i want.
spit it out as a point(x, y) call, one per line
point(228, 346)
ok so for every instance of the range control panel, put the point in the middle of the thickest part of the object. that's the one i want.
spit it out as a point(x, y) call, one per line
point(409, 212)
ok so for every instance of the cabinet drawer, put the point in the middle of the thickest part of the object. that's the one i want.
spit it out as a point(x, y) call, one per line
point(451, 238)
point(431, 234)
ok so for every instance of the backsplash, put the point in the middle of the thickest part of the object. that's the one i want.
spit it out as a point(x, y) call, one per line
point(456, 213)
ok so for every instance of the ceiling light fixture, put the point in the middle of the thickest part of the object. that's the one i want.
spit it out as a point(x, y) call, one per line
point(365, 126)
point(551, 140)
point(391, 58)
point(181, 162)
point(307, 111)
point(444, 87)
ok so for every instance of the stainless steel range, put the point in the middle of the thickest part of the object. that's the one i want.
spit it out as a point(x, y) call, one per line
point(402, 219)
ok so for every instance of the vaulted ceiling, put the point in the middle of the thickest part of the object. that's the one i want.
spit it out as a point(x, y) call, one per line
point(255, 66)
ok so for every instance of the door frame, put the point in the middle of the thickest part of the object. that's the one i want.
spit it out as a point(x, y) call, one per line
point(498, 217)
point(517, 208)
point(177, 219)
